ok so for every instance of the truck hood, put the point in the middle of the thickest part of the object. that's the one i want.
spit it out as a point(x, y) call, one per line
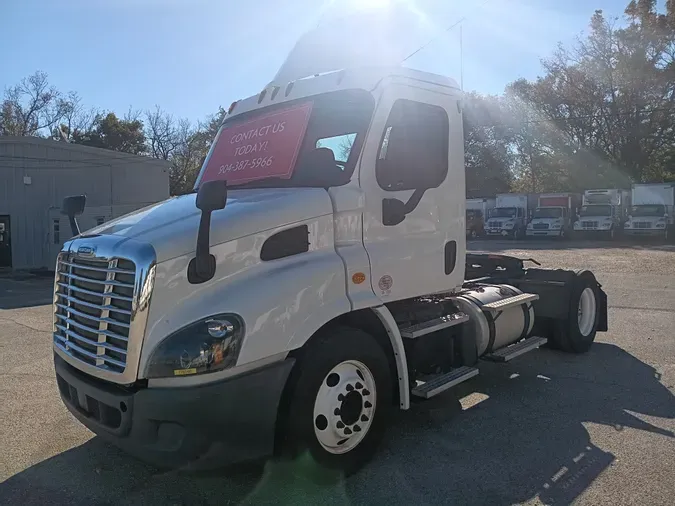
point(171, 226)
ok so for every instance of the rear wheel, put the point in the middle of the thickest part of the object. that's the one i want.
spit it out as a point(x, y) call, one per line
point(339, 400)
point(577, 333)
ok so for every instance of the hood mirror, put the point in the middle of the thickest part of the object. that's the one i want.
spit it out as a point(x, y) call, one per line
point(211, 196)
point(74, 206)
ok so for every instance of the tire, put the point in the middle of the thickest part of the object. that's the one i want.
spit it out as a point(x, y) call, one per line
point(563, 234)
point(473, 234)
point(577, 333)
point(611, 235)
point(332, 366)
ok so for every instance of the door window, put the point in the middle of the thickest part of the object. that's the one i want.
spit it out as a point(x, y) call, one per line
point(340, 145)
point(413, 152)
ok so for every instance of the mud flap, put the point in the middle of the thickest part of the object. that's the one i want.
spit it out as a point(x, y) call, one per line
point(602, 310)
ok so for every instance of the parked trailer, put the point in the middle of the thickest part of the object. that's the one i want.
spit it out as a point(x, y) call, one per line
point(509, 217)
point(554, 215)
point(603, 212)
point(652, 210)
point(310, 305)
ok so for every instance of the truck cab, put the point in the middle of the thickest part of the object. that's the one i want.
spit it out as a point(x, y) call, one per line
point(553, 217)
point(509, 217)
point(652, 211)
point(316, 279)
point(603, 212)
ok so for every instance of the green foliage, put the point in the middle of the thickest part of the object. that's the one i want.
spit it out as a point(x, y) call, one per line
point(110, 132)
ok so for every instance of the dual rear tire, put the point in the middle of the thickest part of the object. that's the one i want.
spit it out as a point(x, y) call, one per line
point(576, 333)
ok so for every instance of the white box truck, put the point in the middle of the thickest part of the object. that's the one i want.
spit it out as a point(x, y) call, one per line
point(554, 215)
point(477, 211)
point(602, 213)
point(509, 217)
point(301, 293)
point(652, 210)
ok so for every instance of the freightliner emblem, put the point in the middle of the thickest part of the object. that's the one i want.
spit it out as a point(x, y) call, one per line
point(86, 251)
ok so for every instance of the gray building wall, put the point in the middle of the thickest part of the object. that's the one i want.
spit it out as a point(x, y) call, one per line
point(36, 174)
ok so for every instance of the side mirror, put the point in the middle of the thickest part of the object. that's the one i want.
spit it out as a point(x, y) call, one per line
point(211, 196)
point(74, 206)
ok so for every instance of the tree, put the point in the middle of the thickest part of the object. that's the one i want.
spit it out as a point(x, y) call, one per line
point(30, 107)
point(162, 133)
point(488, 160)
point(603, 114)
point(109, 132)
point(75, 118)
point(189, 156)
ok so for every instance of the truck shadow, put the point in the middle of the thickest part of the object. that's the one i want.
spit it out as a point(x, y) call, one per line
point(512, 434)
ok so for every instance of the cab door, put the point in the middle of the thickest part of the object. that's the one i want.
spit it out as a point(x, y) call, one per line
point(412, 174)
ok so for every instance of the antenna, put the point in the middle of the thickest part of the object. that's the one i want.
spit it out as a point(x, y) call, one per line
point(461, 59)
point(458, 22)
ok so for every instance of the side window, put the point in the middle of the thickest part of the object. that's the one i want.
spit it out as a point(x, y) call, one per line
point(414, 149)
point(564, 212)
point(340, 145)
point(56, 231)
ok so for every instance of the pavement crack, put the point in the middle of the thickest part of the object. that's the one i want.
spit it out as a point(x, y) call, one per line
point(23, 325)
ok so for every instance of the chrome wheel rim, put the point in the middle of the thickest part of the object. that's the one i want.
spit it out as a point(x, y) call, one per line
point(344, 407)
point(586, 311)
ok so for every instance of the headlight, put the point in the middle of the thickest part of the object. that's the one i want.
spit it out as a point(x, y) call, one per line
point(577, 224)
point(626, 225)
point(555, 227)
point(529, 226)
point(208, 345)
point(606, 225)
point(508, 225)
point(660, 225)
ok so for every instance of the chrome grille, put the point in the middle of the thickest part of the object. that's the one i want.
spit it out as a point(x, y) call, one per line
point(590, 224)
point(496, 224)
point(540, 226)
point(641, 224)
point(93, 308)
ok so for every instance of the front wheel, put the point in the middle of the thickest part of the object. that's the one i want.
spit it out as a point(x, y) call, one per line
point(339, 400)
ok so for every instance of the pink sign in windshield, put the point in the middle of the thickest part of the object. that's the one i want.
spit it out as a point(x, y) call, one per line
point(266, 146)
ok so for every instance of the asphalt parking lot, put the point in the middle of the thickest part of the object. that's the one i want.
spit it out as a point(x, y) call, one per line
point(546, 428)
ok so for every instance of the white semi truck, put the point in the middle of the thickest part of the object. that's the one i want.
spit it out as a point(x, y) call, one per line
point(603, 212)
point(554, 215)
point(301, 293)
point(652, 210)
point(509, 217)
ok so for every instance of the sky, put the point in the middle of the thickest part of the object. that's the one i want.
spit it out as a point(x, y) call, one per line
point(191, 56)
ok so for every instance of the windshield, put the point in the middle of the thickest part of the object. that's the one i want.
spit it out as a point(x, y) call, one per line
point(548, 212)
point(313, 141)
point(503, 212)
point(595, 211)
point(651, 210)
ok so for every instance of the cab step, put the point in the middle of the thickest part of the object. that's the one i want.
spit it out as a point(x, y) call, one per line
point(516, 300)
point(442, 382)
point(427, 327)
point(515, 350)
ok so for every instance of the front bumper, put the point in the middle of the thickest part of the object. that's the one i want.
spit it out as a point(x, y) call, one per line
point(198, 427)
point(542, 233)
point(499, 232)
point(654, 232)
